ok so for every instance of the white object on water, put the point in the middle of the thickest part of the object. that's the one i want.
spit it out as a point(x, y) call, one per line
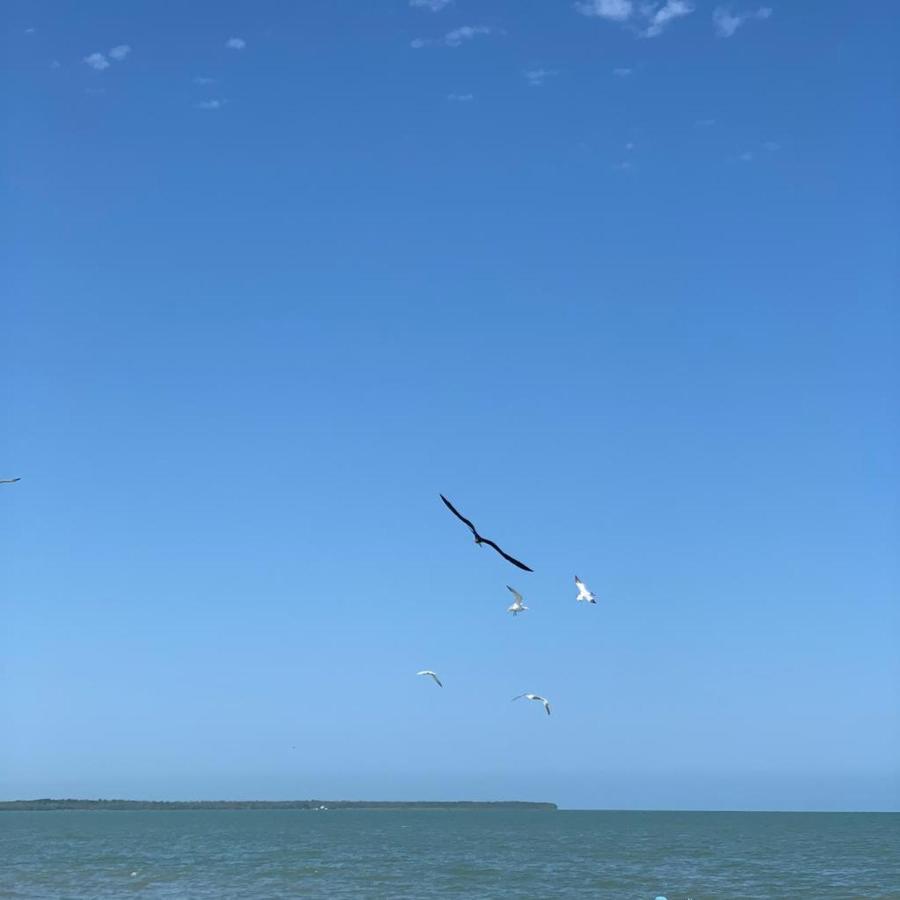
point(538, 698)
point(432, 674)
point(517, 604)
point(585, 594)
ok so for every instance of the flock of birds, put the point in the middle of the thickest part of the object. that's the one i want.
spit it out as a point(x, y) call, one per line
point(517, 606)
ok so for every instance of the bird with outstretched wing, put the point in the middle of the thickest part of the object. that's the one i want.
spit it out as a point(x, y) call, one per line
point(483, 540)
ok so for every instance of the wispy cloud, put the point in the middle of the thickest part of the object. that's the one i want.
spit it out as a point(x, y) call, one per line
point(460, 98)
point(211, 104)
point(101, 61)
point(705, 123)
point(204, 79)
point(465, 33)
point(622, 72)
point(615, 10)
point(97, 61)
point(30, 30)
point(55, 64)
point(648, 19)
point(659, 18)
point(235, 43)
point(433, 5)
point(536, 77)
point(727, 23)
point(749, 155)
point(455, 37)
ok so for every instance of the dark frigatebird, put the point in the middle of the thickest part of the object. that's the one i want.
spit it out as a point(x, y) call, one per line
point(482, 540)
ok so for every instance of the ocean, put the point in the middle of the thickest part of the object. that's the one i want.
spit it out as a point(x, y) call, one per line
point(275, 854)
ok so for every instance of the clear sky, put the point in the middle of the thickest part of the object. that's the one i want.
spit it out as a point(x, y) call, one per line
point(617, 279)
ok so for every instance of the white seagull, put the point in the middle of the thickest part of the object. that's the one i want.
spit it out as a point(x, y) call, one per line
point(583, 592)
point(535, 697)
point(517, 604)
point(432, 674)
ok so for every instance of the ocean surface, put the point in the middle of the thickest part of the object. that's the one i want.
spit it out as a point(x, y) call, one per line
point(496, 854)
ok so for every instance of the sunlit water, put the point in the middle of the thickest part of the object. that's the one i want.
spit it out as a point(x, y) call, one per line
point(497, 854)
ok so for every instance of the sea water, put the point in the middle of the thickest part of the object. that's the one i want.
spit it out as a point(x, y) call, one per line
point(423, 854)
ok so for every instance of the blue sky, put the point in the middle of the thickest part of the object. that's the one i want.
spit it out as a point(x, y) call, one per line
point(615, 278)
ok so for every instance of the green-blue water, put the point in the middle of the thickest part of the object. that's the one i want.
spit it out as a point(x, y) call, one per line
point(334, 854)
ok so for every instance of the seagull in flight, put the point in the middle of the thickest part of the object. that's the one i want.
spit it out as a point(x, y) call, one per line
point(437, 680)
point(539, 699)
point(482, 540)
point(517, 604)
point(583, 592)
point(9, 480)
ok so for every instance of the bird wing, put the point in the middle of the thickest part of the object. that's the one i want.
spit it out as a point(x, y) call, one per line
point(507, 557)
point(547, 706)
point(9, 480)
point(425, 672)
point(515, 594)
point(438, 680)
point(518, 697)
point(458, 514)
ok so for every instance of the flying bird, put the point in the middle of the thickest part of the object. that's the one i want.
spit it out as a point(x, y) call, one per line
point(482, 540)
point(535, 697)
point(583, 592)
point(9, 480)
point(517, 604)
point(432, 674)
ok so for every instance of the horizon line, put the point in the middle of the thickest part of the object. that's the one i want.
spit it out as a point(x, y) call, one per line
point(5, 805)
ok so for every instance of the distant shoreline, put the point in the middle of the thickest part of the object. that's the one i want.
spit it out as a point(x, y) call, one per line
point(312, 805)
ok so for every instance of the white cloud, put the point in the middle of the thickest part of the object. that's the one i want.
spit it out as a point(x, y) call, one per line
point(615, 10)
point(97, 61)
point(656, 14)
point(658, 18)
point(622, 72)
point(624, 166)
point(211, 104)
point(536, 77)
point(746, 156)
point(629, 145)
point(30, 30)
point(55, 64)
point(727, 23)
point(772, 146)
point(460, 98)
point(119, 53)
point(204, 79)
point(433, 5)
point(465, 33)
point(705, 123)
point(454, 38)
point(235, 43)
